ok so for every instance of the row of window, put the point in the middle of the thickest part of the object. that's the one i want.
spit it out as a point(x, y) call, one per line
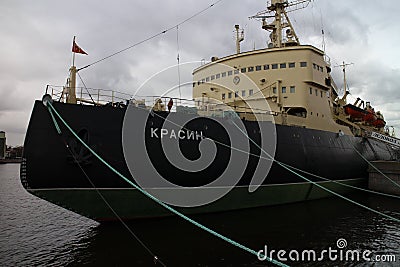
point(251, 69)
point(317, 67)
point(284, 90)
point(292, 89)
point(243, 94)
point(316, 92)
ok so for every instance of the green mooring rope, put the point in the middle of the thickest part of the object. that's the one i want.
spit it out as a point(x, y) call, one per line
point(342, 184)
point(375, 168)
point(314, 183)
point(205, 228)
point(54, 120)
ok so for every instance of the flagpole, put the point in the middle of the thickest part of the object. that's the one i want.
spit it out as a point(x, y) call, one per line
point(73, 56)
point(71, 98)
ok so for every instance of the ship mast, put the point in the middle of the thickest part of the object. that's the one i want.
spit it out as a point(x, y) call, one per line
point(71, 97)
point(344, 65)
point(277, 11)
point(239, 38)
point(343, 100)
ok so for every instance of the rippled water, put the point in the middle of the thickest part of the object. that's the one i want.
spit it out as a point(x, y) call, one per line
point(36, 233)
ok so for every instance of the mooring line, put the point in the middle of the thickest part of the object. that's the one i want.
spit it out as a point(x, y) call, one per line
point(166, 206)
point(343, 184)
point(155, 257)
point(375, 168)
point(316, 184)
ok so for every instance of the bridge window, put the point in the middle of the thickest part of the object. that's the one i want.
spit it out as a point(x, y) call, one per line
point(212, 77)
point(292, 89)
point(223, 96)
point(243, 70)
point(266, 67)
point(251, 92)
point(230, 95)
point(250, 69)
point(243, 93)
point(274, 90)
point(283, 89)
point(236, 71)
point(223, 74)
point(229, 73)
point(282, 65)
point(207, 79)
point(310, 91)
point(217, 76)
point(292, 65)
point(274, 66)
point(258, 68)
point(303, 64)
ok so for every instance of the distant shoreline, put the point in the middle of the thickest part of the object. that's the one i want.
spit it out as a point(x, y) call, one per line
point(5, 161)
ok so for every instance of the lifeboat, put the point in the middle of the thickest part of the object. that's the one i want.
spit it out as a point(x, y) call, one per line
point(370, 116)
point(355, 112)
point(379, 122)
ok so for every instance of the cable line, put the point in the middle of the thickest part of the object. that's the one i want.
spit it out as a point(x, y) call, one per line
point(153, 36)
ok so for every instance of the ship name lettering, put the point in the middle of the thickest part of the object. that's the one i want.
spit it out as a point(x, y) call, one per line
point(173, 134)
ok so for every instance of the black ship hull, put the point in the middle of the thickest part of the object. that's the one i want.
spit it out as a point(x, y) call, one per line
point(56, 167)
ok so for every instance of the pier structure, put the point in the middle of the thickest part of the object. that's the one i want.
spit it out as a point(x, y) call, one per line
point(380, 183)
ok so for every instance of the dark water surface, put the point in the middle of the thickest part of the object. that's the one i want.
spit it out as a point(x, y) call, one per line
point(36, 233)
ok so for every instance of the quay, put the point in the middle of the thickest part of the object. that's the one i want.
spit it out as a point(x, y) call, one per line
point(380, 183)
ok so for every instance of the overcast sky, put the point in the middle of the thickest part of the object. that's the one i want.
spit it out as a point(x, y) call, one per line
point(36, 39)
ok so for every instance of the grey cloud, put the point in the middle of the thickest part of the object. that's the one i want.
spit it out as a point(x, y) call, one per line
point(37, 37)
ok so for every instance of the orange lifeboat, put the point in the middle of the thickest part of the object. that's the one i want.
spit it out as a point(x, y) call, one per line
point(379, 122)
point(354, 112)
point(370, 116)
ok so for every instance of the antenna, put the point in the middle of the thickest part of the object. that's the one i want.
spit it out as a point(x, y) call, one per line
point(178, 59)
point(323, 34)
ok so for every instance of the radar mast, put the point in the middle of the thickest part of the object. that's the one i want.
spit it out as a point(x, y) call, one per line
point(276, 13)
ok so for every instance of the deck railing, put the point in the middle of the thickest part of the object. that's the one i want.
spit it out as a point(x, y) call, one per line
point(203, 106)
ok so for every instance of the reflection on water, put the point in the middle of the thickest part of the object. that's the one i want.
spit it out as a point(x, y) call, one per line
point(34, 232)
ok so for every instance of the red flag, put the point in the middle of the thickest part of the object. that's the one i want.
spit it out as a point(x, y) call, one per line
point(77, 49)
